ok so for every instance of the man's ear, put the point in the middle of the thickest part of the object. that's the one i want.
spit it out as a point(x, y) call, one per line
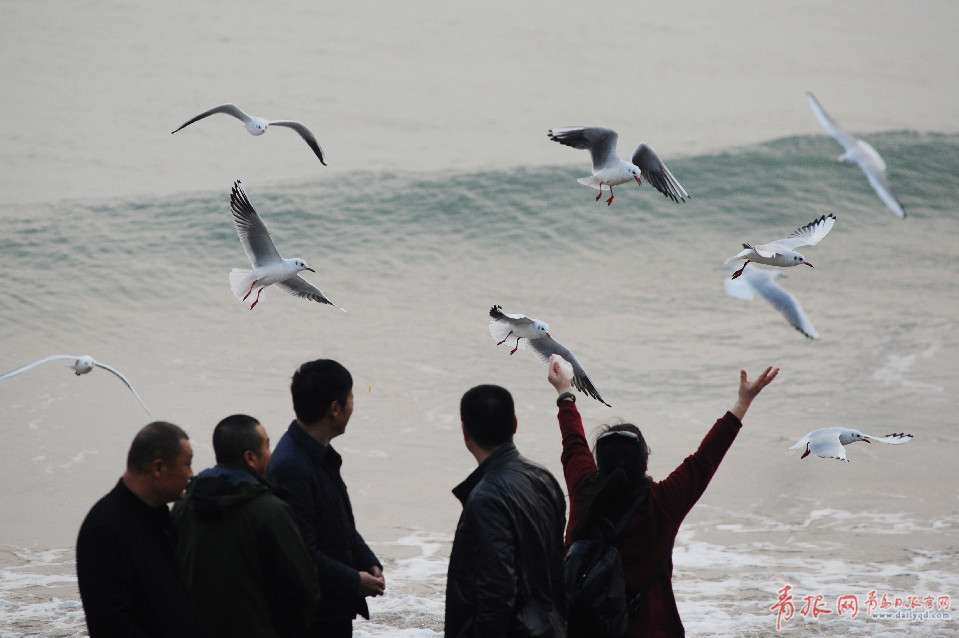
point(466, 436)
point(250, 458)
point(515, 423)
point(335, 408)
point(156, 466)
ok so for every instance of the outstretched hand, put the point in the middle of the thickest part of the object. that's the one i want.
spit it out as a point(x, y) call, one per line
point(558, 376)
point(749, 389)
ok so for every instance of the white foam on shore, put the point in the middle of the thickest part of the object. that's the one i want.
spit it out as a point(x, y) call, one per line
point(721, 589)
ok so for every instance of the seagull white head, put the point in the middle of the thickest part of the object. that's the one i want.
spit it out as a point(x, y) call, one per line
point(541, 327)
point(796, 258)
point(301, 265)
point(83, 365)
point(852, 436)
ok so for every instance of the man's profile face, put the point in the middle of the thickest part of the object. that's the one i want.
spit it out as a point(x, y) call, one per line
point(175, 476)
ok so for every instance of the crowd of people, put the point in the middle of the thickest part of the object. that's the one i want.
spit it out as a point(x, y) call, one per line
point(264, 544)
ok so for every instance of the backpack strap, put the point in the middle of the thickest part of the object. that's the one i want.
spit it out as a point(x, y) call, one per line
point(628, 516)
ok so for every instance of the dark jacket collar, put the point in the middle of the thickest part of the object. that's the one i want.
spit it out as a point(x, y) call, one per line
point(320, 454)
point(502, 455)
point(132, 500)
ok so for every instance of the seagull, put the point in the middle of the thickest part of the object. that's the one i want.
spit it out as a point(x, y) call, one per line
point(268, 267)
point(860, 152)
point(610, 170)
point(780, 252)
point(515, 328)
point(828, 442)
point(81, 365)
point(258, 125)
point(763, 281)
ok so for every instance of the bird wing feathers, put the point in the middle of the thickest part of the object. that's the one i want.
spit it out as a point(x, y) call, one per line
point(305, 133)
point(252, 231)
point(656, 173)
point(229, 109)
point(601, 142)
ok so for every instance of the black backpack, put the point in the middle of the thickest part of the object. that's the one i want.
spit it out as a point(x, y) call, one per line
point(596, 584)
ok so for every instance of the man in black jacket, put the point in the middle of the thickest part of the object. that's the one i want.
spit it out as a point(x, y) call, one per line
point(505, 574)
point(127, 570)
point(245, 561)
point(308, 468)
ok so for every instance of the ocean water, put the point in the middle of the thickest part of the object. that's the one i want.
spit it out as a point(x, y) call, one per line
point(443, 196)
point(635, 289)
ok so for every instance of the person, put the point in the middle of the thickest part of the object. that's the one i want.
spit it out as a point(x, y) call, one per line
point(130, 582)
point(305, 464)
point(604, 486)
point(245, 562)
point(505, 574)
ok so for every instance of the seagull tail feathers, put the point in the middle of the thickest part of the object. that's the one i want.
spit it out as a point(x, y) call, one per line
point(241, 281)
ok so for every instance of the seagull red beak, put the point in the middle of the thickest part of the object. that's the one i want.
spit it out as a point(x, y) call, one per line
point(866, 441)
point(809, 264)
point(311, 270)
point(637, 180)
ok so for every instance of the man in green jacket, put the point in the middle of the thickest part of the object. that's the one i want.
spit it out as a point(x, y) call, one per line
point(245, 561)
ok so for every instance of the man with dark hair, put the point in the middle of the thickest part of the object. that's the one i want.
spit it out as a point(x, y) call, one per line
point(245, 561)
point(307, 466)
point(505, 574)
point(127, 571)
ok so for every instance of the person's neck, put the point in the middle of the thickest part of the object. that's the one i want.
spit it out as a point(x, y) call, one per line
point(319, 431)
point(142, 489)
point(482, 453)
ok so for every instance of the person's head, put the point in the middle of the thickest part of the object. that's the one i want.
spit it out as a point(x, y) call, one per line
point(316, 386)
point(160, 458)
point(240, 441)
point(488, 416)
point(622, 445)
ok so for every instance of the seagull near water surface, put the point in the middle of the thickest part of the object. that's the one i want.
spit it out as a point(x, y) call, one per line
point(522, 332)
point(258, 125)
point(268, 267)
point(862, 153)
point(763, 281)
point(610, 170)
point(81, 365)
point(828, 442)
point(781, 252)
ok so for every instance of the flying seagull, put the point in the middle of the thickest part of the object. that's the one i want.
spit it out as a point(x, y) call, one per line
point(258, 125)
point(81, 365)
point(860, 152)
point(522, 332)
point(828, 442)
point(610, 170)
point(780, 252)
point(763, 281)
point(268, 267)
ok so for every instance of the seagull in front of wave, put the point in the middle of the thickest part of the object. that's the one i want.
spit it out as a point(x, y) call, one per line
point(862, 153)
point(610, 170)
point(268, 267)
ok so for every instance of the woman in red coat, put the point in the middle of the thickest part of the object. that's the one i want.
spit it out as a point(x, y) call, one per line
point(607, 485)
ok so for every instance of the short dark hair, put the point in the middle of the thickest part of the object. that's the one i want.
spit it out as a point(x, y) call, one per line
point(627, 450)
point(157, 440)
point(488, 415)
point(316, 385)
point(233, 436)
